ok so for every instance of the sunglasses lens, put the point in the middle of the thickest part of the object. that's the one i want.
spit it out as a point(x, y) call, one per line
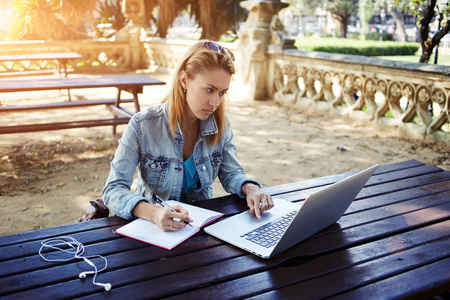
point(213, 47)
point(216, 48)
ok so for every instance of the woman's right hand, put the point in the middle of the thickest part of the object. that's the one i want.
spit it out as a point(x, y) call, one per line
point(163, 217)
point(168, 220)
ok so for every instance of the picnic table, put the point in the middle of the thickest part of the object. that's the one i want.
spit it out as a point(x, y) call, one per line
point(133, 84)
point(61, 58)
point(393, 242)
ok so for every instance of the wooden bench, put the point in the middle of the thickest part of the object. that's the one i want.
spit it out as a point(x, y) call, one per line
point(133, 84)
point(392, 243)
point(61, 58)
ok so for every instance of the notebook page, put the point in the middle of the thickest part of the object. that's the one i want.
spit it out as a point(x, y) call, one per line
point(200, 216)
point(149, 232)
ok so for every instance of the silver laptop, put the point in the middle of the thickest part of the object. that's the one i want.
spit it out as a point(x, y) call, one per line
point(287, 223)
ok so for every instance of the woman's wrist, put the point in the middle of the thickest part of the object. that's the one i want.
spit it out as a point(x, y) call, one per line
point(145, 210)
point(247, 186)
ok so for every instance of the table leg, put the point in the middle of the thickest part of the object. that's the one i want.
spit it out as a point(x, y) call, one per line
point(59, 67)
point(135, 93)
point(64, 62)
point(117, 104)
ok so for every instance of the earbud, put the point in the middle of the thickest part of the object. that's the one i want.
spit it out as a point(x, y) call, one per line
point(84, 274)
point(107, 286)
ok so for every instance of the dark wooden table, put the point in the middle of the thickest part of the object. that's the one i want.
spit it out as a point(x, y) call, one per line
point(133, 84)
point(61, 58)
point(393, 242)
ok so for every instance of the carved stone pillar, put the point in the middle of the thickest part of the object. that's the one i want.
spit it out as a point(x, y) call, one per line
point(134, 33)
point(254, 40)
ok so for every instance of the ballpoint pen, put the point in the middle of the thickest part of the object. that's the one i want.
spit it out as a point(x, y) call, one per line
point(163, 203)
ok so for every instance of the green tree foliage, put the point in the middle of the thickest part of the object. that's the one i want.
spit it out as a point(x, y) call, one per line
point(51, 19)
point(307, 7)
point(397, 12)
point(366, 8)
point(110, 12)
point(72, 19)
point(428, 11)
point(215, 17)
point(341, 11)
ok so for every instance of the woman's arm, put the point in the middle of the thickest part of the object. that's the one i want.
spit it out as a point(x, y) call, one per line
point(234, 180)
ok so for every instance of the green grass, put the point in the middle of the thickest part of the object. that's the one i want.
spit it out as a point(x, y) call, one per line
point(307, 43)
point(443, 59)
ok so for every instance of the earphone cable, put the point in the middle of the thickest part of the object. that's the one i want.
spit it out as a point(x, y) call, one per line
point(76, 250)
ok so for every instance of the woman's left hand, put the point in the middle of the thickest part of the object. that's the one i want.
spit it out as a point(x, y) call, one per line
point(257, 200)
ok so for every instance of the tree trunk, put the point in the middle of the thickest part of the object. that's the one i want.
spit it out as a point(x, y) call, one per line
point(212, 27)
point(366, 12)
point(399, 23)
point(168, 11)
point(424, 30)
point(341, 24)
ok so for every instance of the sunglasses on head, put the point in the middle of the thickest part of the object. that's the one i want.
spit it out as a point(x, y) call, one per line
point(217, 48)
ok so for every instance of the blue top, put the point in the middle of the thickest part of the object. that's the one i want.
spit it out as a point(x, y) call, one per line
point(190, 176)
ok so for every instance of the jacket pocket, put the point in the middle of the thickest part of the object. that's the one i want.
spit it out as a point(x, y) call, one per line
point(216, 160)
point(155, 170)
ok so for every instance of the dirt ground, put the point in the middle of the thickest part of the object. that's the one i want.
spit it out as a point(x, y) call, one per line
point(48, 178)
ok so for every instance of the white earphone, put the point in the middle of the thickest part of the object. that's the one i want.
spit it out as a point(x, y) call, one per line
point(76, 250)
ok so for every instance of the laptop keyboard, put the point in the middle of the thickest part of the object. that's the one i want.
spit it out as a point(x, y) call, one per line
point(268, 234)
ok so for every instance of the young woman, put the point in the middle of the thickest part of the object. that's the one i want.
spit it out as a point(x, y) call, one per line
point(181, 145)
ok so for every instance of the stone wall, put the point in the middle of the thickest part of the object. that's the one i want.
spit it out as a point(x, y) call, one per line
point(385, 92)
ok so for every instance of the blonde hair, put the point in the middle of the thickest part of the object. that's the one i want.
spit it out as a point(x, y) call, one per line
point(195, 61)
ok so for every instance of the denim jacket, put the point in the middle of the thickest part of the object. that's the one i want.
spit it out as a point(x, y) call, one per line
point(147, 143)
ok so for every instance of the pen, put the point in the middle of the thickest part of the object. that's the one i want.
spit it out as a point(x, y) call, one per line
point(163, 203)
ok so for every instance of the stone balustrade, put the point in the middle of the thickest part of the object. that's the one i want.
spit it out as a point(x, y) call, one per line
point(376, 90)
point(96, 54)
point(383, 92)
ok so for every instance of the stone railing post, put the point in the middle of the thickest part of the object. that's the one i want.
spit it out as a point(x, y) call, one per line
point(134, 33)
point(254, 41)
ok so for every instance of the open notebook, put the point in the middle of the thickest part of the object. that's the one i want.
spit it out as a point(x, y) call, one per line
point(146, 231)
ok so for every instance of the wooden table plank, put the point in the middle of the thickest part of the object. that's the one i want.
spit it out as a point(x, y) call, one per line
point(122, 275)
point(65, 104)
point(118, 81)
point(345, 222)
point(41, 56)
point(312, 267)
point(131, 83)
point(62, 125)
point(400, 184)
point(119, 249)
point(406, 285)
point(399, 196)
point(394, 209)
point(362, 274)
point(244, 265)
point(321, 181)
point(45, 233)
point(389, 237)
